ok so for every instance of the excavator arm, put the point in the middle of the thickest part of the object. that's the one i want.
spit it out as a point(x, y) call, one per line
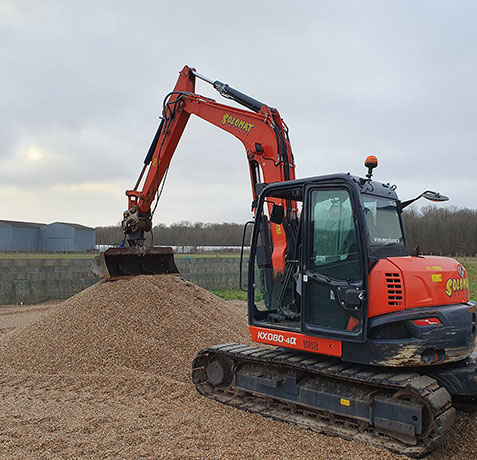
point(262, 132)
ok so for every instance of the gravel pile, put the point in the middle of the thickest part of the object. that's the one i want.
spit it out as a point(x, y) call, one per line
point(153, 324)
point(13, 316)
point(106, 375)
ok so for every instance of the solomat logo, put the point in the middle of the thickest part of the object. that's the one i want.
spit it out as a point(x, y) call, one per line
point(457, 285)
point(235, 122)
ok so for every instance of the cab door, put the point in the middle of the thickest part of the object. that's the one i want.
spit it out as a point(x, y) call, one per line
point(334, 267)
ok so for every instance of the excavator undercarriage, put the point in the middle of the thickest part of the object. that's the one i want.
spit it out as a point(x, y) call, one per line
point(401, 410)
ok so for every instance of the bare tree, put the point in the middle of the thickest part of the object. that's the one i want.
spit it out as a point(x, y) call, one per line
point(442, 231)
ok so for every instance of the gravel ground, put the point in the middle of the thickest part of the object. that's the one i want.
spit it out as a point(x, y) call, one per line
point(106, 375)
point(13, 316)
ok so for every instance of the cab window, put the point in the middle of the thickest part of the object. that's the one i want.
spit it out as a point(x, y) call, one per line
point(334, 245)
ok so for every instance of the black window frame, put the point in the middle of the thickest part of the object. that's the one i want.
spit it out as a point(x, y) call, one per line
point(307, 240)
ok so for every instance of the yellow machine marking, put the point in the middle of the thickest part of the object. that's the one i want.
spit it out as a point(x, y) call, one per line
point(435, 268)
point(436, 278)
point(345, 402)
point(237, 123)
point(454, 285)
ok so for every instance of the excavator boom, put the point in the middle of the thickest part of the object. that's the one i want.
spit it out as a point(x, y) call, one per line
point(264, 136)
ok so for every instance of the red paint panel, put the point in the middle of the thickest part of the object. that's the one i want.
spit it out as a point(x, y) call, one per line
point(401, 283)
point(385, 277)
point(296, 341)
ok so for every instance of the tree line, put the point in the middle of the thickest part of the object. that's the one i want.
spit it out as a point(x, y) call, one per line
point(180, 234)
point(442, 230)
point(435, 230)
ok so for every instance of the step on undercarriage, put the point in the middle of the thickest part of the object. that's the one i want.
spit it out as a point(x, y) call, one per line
point(404, 412)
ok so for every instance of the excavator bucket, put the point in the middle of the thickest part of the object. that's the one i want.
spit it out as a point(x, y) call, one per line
point(118, 263)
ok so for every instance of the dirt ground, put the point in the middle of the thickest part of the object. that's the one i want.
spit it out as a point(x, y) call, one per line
point(106, 375)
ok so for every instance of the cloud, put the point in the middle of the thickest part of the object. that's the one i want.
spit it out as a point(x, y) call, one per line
point(90, 204)
point(84, 84)
point(92, 188)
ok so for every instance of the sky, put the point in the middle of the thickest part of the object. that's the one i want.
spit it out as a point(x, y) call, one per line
point(82, 85)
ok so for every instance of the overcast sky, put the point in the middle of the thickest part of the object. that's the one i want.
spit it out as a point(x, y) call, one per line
point(82, 84)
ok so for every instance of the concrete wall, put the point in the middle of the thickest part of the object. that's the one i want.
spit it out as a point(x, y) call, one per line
point(36, 280)
point(211, 272)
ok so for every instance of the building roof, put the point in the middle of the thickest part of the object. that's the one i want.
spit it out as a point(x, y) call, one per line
point(82, 227)
point(15, 223)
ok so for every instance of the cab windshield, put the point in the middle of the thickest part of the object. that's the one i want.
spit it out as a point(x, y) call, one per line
point(382, 220)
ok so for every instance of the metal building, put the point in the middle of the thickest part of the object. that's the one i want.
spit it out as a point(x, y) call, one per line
point(19, 236)
point(66, 237)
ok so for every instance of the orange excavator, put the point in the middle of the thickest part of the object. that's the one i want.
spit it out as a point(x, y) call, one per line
point(371, 343)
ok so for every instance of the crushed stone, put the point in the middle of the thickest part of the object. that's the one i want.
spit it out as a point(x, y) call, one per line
point(106, 375)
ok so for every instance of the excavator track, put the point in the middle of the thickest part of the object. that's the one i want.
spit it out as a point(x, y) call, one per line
point(401, 411)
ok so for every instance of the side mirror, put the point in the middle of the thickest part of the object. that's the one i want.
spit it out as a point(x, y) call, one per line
point(428, 195)
point(276, 216)
point(434, 196)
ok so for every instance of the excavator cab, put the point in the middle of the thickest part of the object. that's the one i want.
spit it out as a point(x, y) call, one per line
point(342, 224)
